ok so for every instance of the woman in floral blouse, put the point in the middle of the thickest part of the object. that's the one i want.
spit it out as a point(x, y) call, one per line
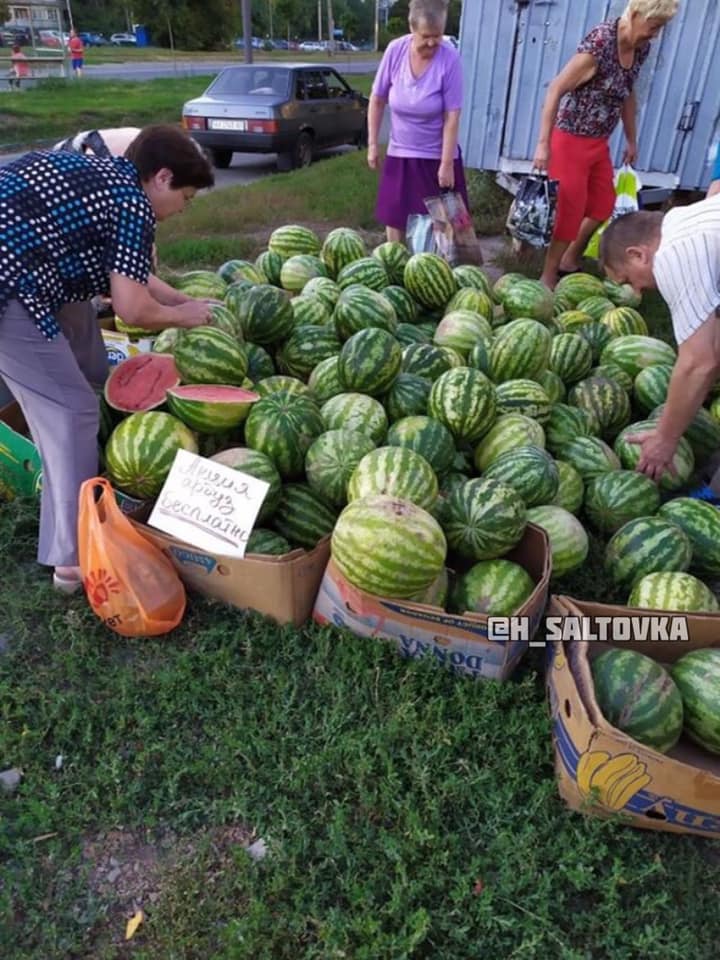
point(582, 108)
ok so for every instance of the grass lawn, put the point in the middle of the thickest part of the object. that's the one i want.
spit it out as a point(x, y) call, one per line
point(405, 812)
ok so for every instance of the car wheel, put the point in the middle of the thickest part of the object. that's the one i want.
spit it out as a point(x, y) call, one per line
point(221, 158)
point(303, 151)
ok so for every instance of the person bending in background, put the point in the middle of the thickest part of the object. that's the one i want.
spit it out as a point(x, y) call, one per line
point(583, 105)
point(420, 77)
point(72, 227)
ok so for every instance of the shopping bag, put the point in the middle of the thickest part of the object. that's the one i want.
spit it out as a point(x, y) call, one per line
point(130, 584)
point(627, 188)
point(446, 230)
point(531, 217)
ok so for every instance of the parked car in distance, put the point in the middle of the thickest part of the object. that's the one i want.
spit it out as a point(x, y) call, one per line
point(123, 39)
point(9, 36)
point(290, 109)
point(93, 39)
point(50, 38)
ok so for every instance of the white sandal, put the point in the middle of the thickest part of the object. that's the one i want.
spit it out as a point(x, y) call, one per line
point(67, 584)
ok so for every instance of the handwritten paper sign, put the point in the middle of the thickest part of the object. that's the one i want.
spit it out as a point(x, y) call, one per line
point(209, 505)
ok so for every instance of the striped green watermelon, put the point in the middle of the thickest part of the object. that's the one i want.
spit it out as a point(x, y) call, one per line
point(572, 321)
point(479, 357)
point(577, 287)
point(629, 453)
point(484, 519)
point(429, 280)
point(368, 272)
point(297, 270)
point(270, 264)
point(675, 592)
point(303, 517)
point(388, 547)
point(266, 315)
point(360, 308)
point(531, 471)
point(165, 341)
point(606, 402)
point(291, 240)
point(425, 436)
point(468, 276)
point(703, 434)
point(331, 460)
point(566, 423)
point(324, 289)
point(425, 360)
point(282, 426)
point(509, 431)
point(397, 472)
point(614, 498)
point(140, 382)
point(598, 336)
point(281, 384)
point(553, 386)
point(596, 307)
point(210, 408)
point(498, 588)
point(233, 270)
point(369, 362)
point(569, 544)
point(393, 256)
point(202, 284)
point(260, 363)
point(633, 352)
point(463, 400)
point(406, 310)
point(408, 396)
point(258, 465)
point(590, 456)
point(208, 355)
point(528, 299)
point(570, 357)
point(697, 676)
point(324, 380)
point(306, 347)
point(639, 697)
point(356, 411)
point(224, 319)
point(461, 330)
point(310, 310)
point(467, 298)
point(503, 283)
point(436, 594)
point(651, 386)
point(622, 321)
point(340, 248)
point(521, 350)
point(646, 545)
point(571, 488)
point(700, 522)
point(408, 333)
point(621, 294)
point(266, 543)
point(141, 451)
point(611, 371)
point(235, 296)
point(523, 396)
point(447, 483)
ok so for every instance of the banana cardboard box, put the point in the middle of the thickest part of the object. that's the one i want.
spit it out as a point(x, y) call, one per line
point(602, 771)
point(472, 644)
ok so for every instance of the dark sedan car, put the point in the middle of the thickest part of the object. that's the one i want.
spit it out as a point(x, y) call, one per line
point(291, 110)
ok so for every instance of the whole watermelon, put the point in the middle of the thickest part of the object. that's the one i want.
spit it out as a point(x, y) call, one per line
point(141, 451)
point(697, 676)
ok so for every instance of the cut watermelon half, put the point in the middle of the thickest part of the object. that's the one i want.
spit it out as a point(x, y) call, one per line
point(141, 382)
point(210, 408)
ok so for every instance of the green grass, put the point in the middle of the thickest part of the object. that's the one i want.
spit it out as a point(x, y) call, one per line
point(408, 813)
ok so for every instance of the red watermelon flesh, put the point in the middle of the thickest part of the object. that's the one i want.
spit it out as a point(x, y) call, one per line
point(141, 382)
point(213, 393)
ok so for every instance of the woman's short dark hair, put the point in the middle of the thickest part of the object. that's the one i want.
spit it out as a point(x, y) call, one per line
point(163, 145)
point(631, 230)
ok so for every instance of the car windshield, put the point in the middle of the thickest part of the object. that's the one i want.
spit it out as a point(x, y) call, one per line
point(260, 81)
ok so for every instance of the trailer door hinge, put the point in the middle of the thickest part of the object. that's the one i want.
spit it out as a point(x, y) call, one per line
point(689, 115)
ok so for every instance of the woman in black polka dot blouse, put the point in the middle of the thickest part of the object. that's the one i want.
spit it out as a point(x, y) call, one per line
point(72, 227)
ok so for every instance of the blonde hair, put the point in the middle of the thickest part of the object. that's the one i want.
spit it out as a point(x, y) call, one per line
point(432, 12)
point(652, 9)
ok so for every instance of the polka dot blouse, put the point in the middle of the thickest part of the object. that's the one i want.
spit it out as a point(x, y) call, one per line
point(68, 221)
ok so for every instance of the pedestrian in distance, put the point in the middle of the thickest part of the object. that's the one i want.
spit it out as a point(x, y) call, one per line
point(19, 67)
point(77, 53)
point(583, 104)
point(677, 253)
point(74, 226)
point(420, 78)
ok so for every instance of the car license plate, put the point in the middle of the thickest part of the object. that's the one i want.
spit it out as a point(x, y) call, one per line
point(227, 124)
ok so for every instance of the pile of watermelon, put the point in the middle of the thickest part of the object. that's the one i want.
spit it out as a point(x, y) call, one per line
point(423, 416)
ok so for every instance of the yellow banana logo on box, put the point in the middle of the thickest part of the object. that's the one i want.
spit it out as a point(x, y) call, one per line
point(615, 780)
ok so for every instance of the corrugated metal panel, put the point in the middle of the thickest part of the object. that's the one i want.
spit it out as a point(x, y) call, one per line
point(511, 50)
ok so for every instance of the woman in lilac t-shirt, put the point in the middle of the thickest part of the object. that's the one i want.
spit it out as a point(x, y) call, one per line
point(420, 78)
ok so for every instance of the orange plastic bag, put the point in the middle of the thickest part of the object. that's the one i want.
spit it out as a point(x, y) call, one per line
point(130, 584)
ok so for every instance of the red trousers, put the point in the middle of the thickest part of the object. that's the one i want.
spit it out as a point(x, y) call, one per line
point(584, 170)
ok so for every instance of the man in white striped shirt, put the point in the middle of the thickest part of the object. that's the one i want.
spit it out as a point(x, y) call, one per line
point(677, 253)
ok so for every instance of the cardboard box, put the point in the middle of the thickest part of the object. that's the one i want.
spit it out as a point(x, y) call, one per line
point(701, 628)
point(462, 642)
point(119, 346)
point(677, 792)
point(283, 588)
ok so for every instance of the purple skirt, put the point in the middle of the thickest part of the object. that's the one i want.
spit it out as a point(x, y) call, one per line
point(404, 184)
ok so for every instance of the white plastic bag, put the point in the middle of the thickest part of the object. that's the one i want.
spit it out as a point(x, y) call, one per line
point(627, 188)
